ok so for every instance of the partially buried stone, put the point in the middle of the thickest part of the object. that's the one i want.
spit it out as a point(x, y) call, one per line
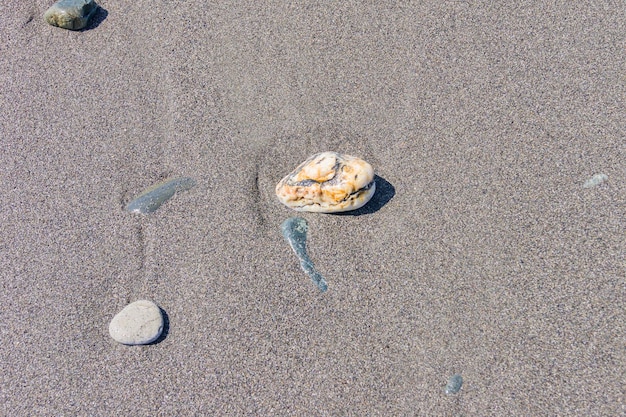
point(328, 182)
point(71, 14)
point(139, 323)
point(294, 230)
point(595, 180)
point(454, 384)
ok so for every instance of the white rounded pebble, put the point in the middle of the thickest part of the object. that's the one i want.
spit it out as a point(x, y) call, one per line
point(139, 323)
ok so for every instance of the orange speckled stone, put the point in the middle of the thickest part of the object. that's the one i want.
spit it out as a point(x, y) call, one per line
point(328, 182)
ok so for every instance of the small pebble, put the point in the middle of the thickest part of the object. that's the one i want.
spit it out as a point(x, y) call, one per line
point(454, 384)
point(139, 323)
point(152, 197)
point(595, 180)
point(71, 14)
point(294, 230)
point(328, 182)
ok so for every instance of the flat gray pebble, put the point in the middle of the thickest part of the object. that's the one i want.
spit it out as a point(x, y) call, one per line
point(139, 323)
point(454, 384)
point(152, 197)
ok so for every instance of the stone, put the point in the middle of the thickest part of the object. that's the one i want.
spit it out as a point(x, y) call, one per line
point(454, 384)
point(152, 197)
point(597, 179)
point(71, 14)
point(139, 323)
point(294, 230)
point(328, 182)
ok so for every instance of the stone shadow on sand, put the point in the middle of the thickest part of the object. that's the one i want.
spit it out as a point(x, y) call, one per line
point(166, 328)
point(384, 193)
point(98, 17)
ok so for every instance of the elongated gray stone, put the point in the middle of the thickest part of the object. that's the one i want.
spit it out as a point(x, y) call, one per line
point(139, 323)
point(152, 197)
point(454, 384)
point(294, 230)
point(71, 14)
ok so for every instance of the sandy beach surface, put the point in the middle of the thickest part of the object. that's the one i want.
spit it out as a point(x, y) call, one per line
point(482, 253)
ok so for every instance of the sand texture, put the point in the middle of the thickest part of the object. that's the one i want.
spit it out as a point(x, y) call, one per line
point(481, 253)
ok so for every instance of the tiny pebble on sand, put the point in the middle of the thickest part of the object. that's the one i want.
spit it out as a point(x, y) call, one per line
point(454, 384)
point(597, 179)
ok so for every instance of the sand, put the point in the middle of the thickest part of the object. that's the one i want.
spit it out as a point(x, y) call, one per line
point(482, 254)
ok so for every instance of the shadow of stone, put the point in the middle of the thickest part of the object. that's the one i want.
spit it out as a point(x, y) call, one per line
point(384, 193)
point(99, 16)
point(166, 328)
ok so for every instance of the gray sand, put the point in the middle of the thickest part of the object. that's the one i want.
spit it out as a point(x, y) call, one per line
point(482, 255)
